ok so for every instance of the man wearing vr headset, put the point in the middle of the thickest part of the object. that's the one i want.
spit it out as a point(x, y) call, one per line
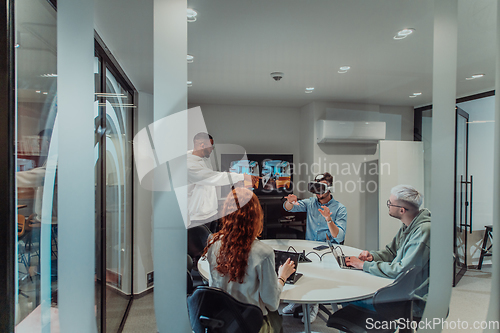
point(325, 215)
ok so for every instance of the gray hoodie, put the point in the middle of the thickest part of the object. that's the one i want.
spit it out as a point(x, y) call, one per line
point(410, 247)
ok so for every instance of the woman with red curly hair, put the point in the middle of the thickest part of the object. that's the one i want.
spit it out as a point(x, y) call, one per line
point(241, 264)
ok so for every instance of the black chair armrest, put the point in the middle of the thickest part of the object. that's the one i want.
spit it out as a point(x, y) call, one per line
point(211, 323)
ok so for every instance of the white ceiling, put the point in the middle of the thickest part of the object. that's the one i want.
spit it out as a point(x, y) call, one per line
point(236, 44)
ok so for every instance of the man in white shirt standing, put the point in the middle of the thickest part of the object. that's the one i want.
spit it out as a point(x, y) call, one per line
point(202, 194)
point(203, 181)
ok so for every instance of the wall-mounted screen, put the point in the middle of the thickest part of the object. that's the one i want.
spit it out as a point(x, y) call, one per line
point(275, 171)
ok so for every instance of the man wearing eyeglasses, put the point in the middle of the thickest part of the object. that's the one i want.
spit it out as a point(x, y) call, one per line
point(410, 247)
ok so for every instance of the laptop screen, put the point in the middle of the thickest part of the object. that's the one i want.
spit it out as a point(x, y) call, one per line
point(334, 252)
point(280, 258)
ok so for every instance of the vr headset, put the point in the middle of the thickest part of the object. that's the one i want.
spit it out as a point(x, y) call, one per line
point(316, 187)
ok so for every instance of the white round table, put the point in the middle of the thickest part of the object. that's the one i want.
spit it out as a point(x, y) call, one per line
point(322, 281)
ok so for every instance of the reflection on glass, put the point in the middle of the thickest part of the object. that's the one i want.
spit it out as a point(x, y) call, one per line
point(118, 178)
point(461, 197)
point(98, 198)
point(36, 68)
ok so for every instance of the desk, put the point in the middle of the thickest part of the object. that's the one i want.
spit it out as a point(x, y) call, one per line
point(323, 281)
point(37, 224)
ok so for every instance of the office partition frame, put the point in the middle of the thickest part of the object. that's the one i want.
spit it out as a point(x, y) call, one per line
point(7, 168)
point(417, 112)
point(107, 61)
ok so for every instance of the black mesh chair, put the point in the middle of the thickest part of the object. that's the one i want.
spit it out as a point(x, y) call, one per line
point(197, 240)
point(189, 281)
point(213, 310)
point(391, 303)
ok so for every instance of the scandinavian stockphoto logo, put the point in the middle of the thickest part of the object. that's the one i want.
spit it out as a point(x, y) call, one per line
point(164, 162)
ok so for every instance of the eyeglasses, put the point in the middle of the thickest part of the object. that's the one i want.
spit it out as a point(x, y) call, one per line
point(389, 204)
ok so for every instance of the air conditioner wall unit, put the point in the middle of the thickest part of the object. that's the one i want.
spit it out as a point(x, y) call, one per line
point(350, 131)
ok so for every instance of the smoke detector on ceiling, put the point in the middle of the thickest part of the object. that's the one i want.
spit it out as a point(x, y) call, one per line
point(277, 75)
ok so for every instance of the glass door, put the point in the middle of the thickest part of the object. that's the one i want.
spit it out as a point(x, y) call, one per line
point(118, 183)
point(114, 108)
point(463, 196)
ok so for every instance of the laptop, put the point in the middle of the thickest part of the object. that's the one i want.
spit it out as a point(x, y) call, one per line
point(280, 258)
point(339, 257)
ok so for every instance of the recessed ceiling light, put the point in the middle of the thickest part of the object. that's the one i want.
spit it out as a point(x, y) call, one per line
point(191, 15)
point(413, 96)
point(38, 91)
point(310, 89)
point(404, 33)
point(49, 75)
point(17, 45)
point(45, 93)
point(190, 83)
point(417, 94)
point(344, 69)
point(190, 58)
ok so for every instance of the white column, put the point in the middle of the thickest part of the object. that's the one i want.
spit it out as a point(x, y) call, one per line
point(494, 308)
point(443, 159)
point(170, 97)
point(76, 203)
point(143, 206)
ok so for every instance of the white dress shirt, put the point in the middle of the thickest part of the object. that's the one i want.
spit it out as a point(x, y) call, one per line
point(202, 180)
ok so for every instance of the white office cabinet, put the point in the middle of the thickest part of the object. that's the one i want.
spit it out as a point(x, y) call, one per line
point(400, 162)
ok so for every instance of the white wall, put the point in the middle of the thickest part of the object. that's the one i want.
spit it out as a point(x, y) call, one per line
point(427, 140)
point(260, 130)
point(402, 163)
point(307, 123)
point(481, 138)
point(354, 166)
point(126, 27)
point(143, 207)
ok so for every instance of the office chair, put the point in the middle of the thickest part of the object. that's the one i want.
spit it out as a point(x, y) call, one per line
point(190, 287)
point(213, 310)
point(197, 240)
point(391, 303)
point(21, 248)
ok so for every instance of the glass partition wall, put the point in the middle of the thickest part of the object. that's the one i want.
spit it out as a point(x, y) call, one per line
point(36, 240)
point(114, 107)
point(36, 147)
